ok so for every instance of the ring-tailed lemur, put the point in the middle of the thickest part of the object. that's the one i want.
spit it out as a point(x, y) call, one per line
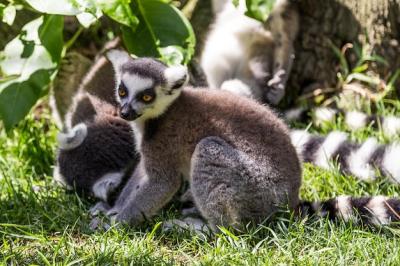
point(354, 120)
point(236, 154)
point(96, 153)
point(247, 57)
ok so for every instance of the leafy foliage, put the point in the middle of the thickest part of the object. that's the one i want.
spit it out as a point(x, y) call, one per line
point(159, 37)
point(30, 61)
point(259, 9)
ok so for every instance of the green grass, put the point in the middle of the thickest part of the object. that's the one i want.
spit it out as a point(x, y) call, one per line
point(41, 224)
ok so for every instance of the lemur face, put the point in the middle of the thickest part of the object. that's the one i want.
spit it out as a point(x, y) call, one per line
point(145, 87)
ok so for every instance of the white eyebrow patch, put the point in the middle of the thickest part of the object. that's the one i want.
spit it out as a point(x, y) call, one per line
point(136, 83)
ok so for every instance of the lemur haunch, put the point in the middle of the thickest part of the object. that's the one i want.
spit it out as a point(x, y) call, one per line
point(96, 155)
point(248, 57)
point(236, 154)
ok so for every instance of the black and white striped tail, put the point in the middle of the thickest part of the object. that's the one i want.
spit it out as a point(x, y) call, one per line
point(354, 120)
point(365, 161)
point(374, 210)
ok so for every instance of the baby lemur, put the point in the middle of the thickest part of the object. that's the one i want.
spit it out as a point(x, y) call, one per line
point(96, 152)
point(235, 153)
point(249, 57)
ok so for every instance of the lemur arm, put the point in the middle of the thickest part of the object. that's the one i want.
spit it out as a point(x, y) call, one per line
point(283, 24)
point(148, 192)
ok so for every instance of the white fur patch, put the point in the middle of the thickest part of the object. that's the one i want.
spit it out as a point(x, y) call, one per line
point(299, 139)
point(356, 120)
point(345, 209)
point(236, 86)
point(324, 114)
point(358, 160)
point(390, 162)
point(377, 207)
point(328, 148)
point(73, 138)
point(176, 73)
point(391, 126)
point(138, 133)
point(106, 184)
point(60, 179)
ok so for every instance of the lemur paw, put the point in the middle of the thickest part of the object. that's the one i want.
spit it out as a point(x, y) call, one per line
point(276, 88)
point(131, 216)
point(100, 207)
point(97, 224)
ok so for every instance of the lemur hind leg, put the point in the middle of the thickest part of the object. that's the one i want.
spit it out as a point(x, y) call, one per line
point(224, 184)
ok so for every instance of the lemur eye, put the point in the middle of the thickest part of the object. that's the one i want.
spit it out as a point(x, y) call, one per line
point(121, 91)
point(147, 98)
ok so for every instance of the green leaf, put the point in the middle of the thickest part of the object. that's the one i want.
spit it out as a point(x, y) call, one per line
point(91, 12)
point(17, 61)
point(28, 59)
point(17, 98)
point(51, 35)
point(2, 6)
point(58, 7)
point(9, 14)
point(86, 11)
point(259, 9)
point(172, 55)
point(364, 78)
point(120, 11)
point(161, 25)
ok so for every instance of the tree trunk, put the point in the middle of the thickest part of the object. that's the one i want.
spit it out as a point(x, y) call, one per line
point(337, 22)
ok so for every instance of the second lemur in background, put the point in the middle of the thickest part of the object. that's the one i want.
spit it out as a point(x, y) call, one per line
point(249, 57)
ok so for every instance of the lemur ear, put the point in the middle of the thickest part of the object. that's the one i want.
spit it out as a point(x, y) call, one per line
point(176, 76)
point(118, 58)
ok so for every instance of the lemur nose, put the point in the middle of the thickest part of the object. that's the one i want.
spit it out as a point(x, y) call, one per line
point(124, 114)
point(127, 113)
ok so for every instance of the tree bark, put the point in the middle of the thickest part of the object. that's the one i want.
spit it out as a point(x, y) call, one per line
point(337, 22)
